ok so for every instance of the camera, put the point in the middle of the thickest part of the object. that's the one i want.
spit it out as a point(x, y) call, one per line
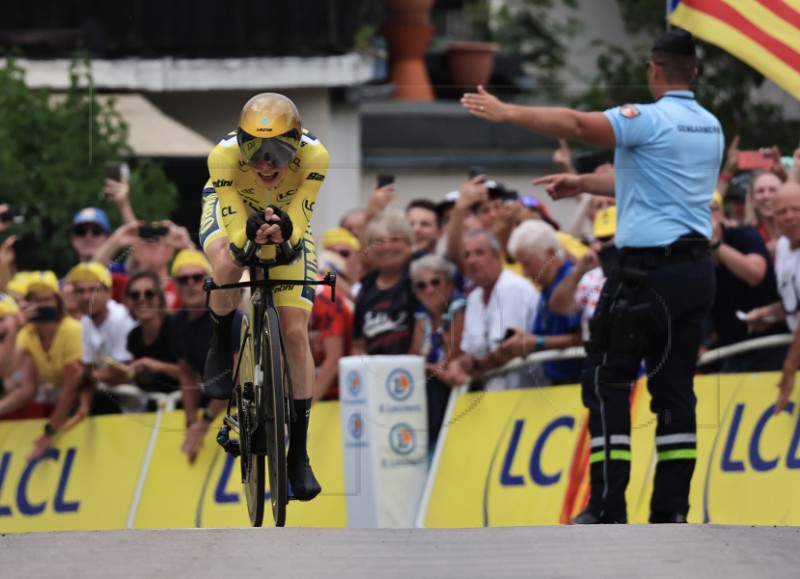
point(15, 215)
point(385, 179)
point(153, 231)
point(45, 314)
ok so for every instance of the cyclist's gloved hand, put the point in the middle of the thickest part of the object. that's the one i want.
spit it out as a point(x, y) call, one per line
point(254, 223)
point(285, 222)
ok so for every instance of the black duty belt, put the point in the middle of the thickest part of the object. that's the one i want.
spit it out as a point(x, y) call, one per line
point(689, 247)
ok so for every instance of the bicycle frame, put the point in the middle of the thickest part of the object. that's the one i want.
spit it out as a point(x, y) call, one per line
point(263, 412)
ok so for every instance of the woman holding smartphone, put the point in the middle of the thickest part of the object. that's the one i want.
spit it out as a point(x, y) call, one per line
point(49, 346)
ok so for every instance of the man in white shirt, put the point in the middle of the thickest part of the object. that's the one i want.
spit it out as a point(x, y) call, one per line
point(501, 300)
point(105, 324)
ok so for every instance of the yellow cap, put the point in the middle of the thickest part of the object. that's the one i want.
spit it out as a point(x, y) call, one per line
point(337, 236)
point(42, 281)
point(91, 271)
point(605, 222)
point(19, 283)
point(7, 305)
point(717, 198)
point(190, 257)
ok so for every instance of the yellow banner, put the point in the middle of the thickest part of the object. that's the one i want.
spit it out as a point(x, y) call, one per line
point(518, 457)
point(89, 480)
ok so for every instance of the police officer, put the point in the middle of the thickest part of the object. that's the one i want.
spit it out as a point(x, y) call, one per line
point(667, 156)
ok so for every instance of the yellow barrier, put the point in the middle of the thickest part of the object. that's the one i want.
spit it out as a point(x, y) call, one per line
point(513, 458)
point(127, 471)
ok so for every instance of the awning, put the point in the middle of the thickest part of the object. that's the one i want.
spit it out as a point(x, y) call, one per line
point(154, 134)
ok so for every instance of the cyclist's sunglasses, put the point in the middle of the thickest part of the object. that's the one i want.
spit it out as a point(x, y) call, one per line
point(185, 279)
point(278, 151)
point(85, 229)
point(147, 294)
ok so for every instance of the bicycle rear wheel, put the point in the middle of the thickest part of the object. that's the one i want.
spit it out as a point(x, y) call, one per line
point(251, 460)
point(275, 404)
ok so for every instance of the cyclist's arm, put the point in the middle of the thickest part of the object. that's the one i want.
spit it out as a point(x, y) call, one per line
point(222, 175)
point(302, 206)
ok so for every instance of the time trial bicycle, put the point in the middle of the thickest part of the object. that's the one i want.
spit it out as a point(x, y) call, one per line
point(262, 387)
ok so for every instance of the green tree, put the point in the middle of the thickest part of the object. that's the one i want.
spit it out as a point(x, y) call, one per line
point(53, 157)
point(725, 84)
point(527, 28)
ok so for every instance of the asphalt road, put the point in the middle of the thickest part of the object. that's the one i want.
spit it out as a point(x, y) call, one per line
point(674, 551)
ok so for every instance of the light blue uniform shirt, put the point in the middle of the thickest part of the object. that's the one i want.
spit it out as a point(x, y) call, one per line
point(666, 165)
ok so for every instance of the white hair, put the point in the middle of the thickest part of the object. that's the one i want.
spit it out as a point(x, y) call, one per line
point(536, 237)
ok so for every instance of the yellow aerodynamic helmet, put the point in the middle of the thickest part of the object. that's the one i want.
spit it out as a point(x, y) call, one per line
point(269, 130)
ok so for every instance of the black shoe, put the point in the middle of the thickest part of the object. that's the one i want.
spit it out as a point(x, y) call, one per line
point(661, 517)
point(304, 485)
point(589, 518)
point(218, 373)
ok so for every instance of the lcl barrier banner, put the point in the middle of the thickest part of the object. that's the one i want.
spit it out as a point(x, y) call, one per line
point(384, 426)
point(127, 471)
point(521, 457)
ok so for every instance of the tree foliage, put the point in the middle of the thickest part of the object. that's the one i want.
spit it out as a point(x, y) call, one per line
point(527, 28)
point(725, 85)
point(55, 149)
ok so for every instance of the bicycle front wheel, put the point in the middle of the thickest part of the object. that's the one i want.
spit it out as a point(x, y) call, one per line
point(272, 365)
point(251, 460)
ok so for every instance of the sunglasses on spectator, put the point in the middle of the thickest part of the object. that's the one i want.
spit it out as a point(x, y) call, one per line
point(88, 228)
point(185, 279)
point(345, 253)
point(147, 294)
point(421, 286)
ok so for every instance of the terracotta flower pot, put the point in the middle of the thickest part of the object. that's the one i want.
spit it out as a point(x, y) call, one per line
point(408, 11)
point(407, 46)
point(470, 63)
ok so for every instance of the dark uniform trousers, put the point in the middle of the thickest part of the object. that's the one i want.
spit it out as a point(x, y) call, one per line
point(652, 308)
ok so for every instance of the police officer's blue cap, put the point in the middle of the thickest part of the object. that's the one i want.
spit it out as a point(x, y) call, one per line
point(676, 41)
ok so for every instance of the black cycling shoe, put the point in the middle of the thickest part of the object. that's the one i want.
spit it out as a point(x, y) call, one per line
point(589, 518)
point(661, 517)
point(304, 485)
point(218, 373)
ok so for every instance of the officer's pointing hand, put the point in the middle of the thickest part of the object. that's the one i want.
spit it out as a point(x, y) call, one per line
point(560, 185)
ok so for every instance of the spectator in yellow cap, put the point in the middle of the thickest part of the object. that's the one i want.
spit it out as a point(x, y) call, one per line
point(580, 290)
point(9, 325)
point(191, 326)
point(105, 325)
point(341, 241)
point(50, 350)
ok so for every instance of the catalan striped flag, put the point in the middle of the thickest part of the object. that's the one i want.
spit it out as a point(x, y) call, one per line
point(763, 33)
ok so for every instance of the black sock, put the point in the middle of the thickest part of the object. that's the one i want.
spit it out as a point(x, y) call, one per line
point(222, 329)
point(299, 428)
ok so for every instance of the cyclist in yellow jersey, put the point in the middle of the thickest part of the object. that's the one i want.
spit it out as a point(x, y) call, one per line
point(263, 181)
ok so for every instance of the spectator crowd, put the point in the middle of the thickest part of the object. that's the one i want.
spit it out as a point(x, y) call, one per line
point(470, 281)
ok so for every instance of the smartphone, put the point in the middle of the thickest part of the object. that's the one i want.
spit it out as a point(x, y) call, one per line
point(750, 160)
point(385, 179)
point(153, 231)
point(45, 314)
point(509, 333)
point(476, 170)
point(14, 215)
point(118, 172)
point(27, 255)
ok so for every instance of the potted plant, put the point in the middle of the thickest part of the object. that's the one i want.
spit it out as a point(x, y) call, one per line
point(471, 61)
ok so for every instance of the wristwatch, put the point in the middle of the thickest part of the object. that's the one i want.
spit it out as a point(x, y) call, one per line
point(207, 417)
point(713, 245)
point(49, 430)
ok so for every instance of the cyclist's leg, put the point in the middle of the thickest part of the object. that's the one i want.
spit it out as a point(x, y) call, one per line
point(294, 322)
point(294, 308)
point(218, 373)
